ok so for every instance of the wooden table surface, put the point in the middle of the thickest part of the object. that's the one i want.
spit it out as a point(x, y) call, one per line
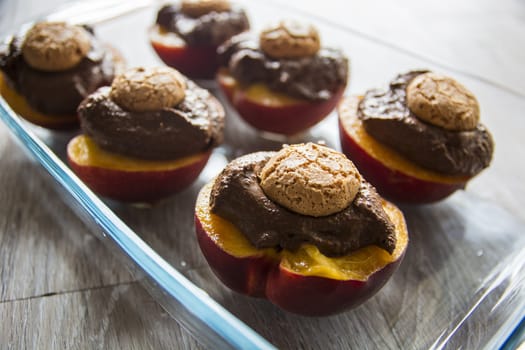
point(61, 288)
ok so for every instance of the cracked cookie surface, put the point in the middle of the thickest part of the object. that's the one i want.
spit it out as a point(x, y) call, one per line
point(310, 179)
point(197, 8)
point(290, 39)
point(143, 89)
point(442, 101)
point(55, 46)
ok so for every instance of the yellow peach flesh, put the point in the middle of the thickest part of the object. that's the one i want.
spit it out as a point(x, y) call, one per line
point(259, 93)
point(307, 261)
point(85, 152)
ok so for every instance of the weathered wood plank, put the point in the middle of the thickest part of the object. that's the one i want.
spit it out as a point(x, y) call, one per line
point(44, 247)
point(112, 317)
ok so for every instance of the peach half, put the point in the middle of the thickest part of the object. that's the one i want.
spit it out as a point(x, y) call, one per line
point(274, 112)
point(305, 282)
point(196, 62)
point(130, 179)
point(394, 176)
point(19, 105)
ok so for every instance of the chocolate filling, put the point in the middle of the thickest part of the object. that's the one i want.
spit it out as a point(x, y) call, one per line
point(237, 197)
point(314, 78)
point(57, 93)
point(194, 125)
point(211, 29)
point(387, 118)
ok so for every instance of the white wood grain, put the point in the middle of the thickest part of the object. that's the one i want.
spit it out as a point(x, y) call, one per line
point(484, 38)
point(112, 317)
point(44, 248)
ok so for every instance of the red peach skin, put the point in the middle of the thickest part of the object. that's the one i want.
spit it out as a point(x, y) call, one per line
point(286, 118)
point(318, 296)
point(196, 62)
point(145, 185)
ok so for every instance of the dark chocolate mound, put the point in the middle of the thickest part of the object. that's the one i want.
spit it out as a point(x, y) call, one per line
point(387, 118)
point(194, 125)
point(237, 197)
point(211, 29)
point(314, 78)
point(57, 93)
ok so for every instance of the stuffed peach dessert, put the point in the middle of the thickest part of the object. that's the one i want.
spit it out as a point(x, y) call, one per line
point(285, 82)
point(147, 136)
point(51, 68)
point(418, 141)
point(186, 34)
point(313, 236)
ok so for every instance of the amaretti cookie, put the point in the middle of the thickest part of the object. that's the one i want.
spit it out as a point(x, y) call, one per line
point(187, 33)
point(419, 140)
point(147, 136)
point(313, 236)
point(285, 81)
point(51, 68)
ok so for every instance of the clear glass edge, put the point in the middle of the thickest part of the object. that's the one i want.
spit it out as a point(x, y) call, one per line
point(199, 305)
point(517, 338)
point(193, 300)
point(502, 291)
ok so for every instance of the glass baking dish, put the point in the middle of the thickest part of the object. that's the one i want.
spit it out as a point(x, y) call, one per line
point(462, 283)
